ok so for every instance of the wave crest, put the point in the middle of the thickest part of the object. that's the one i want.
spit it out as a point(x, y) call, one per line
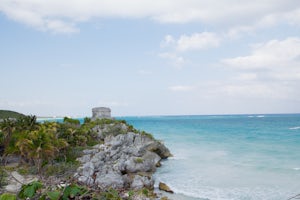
point(295, 128)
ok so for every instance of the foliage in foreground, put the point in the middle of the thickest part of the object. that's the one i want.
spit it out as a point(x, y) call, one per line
point(36, 190)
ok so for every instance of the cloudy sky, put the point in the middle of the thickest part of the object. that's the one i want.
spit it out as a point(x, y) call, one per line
point(143, 57)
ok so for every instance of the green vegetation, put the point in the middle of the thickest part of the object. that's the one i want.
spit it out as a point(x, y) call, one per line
point(110, 194)
point(139, 160)
point(30, 190)
point(8, 196)
point(147, 134)
point(51, 149)
point(37, 190)
point(3, 176)
point(10, 114)
point(71, 121)
point(45, 146)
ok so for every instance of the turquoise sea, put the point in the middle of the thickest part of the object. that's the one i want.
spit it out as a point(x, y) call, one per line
point(229, 157)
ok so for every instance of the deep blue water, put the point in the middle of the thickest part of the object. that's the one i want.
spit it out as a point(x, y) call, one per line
point(229, 157)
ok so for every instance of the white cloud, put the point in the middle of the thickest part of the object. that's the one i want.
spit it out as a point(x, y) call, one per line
point(273, 57)
point(197, 41)
point(168, 41)
point(63, 16)
point(237, 31)
point(270, 72)
point(229, 12)
point(175, 60)
point(293, 17)
point(29, 14)
point(181, 88)
point(59, 26)
point(246, 77)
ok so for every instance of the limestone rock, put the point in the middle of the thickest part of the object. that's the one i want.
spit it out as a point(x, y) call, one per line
point(16, 181)
point(125, 160)
point(164, 187)
point(140, 182)
point(109, 179)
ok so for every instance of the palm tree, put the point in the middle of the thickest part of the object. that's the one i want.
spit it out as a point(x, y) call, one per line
point(40, 145)
point(7, 127)
point(27, 123)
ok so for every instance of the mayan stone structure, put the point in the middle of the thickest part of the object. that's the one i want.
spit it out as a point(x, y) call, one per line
point(101, 112)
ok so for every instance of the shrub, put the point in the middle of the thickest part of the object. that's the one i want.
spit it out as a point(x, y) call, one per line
point(40, 145)
point(87, 120)
point(30, 190)
point(147, 134)
point(73, 190)
point(71, 121)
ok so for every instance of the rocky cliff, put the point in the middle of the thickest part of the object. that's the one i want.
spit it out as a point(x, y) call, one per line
point(124, 160)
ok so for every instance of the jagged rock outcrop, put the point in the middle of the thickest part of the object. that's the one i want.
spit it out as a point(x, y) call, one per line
point(124, 160)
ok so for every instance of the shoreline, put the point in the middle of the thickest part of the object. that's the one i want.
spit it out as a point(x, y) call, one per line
point(48, 118)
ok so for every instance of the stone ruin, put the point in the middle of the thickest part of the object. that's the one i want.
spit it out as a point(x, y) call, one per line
point(101, 112)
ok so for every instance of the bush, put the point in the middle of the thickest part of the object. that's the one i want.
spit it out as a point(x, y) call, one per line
point(72, 191)
point(147, 134)
point(30, 190)
point(71, 121)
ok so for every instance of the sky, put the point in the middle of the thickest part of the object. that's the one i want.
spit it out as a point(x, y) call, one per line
point(142, 57)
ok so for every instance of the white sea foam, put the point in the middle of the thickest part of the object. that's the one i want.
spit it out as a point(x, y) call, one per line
point(295, 128)
point(296, 168)
point(177, 158)
point(260, 116)
point(214, 193)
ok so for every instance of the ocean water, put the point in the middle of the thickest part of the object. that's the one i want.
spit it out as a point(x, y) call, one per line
point(230, 157)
